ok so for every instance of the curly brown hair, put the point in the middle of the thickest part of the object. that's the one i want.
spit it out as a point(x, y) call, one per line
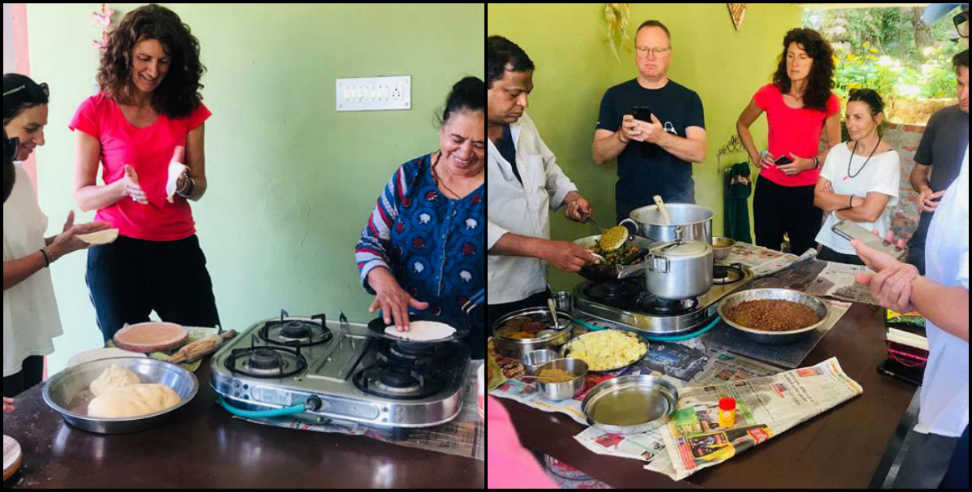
point(821, 79)
point(178, 94)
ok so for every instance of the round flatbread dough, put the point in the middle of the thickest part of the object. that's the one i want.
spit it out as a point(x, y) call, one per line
point(422, 331)
point(133, 400)
point(103, 236)
point(115, 376)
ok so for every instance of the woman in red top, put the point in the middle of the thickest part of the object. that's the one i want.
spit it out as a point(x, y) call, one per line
point(798, 105)
point(148, 114)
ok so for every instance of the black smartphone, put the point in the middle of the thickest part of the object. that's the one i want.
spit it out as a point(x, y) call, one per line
point(642, 113)
point(783, 160)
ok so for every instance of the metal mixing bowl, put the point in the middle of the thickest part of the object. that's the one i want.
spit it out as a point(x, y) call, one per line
point(774, 337)
point(566, 389)
point(70, 387)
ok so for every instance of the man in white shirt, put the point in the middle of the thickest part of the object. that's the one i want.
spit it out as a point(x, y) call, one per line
point(524, 183)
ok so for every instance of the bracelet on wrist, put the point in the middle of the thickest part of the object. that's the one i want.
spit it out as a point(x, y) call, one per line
point(47, 260)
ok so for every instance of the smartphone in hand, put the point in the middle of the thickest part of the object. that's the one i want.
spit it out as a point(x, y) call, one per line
point(642, 113)
point(784, 159)
point(849, 231)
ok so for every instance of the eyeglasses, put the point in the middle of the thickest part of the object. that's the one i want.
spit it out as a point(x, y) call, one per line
point(961, 22)
point(43, 88)
point(656, 51)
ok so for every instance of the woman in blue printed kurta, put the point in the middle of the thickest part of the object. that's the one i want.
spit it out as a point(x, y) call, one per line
point(423, 247)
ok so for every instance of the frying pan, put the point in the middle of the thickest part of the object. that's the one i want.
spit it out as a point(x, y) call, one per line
point(602, 272)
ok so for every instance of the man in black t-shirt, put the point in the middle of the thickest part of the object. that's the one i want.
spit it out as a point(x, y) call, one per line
point(942, 146)
point(654, 157)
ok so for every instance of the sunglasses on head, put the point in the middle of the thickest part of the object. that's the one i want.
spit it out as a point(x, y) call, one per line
point(960, 19)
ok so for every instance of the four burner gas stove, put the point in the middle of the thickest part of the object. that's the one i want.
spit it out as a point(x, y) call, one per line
point(338, 370)
point(629, 303)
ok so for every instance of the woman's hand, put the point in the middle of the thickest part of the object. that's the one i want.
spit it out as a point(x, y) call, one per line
point(391, 298)
point(8, 405)
point(67, 241)
point(765, 161)
point(132, 187)
point(891, 285)
point(798, 165)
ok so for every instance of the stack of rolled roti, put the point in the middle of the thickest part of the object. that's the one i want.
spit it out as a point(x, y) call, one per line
point(120, 393)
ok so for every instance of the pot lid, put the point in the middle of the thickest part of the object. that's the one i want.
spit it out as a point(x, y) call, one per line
point(682, 249)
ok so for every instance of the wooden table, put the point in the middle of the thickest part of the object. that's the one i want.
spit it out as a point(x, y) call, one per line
point(204, 447)
point(840, 448)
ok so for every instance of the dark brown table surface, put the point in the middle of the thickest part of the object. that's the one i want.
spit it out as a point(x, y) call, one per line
point(204, 447)
point(840, 448)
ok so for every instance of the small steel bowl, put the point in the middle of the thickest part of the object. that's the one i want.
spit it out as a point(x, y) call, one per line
point(534, 359)
point(721, 247)
point(70, 386)
point(566, 389)
point(549, 338)
point(774, 337)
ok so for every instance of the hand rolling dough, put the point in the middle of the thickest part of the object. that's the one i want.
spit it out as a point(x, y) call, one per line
point(133, 400)
point(115, 376)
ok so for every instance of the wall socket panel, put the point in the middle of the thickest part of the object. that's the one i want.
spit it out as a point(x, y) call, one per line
point(374, 93)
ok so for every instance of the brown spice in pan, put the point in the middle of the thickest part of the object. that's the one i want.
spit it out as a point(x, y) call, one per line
point(772, 315)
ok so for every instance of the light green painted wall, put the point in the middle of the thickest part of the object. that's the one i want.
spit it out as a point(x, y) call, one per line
point(291, 182)
point(574, 66)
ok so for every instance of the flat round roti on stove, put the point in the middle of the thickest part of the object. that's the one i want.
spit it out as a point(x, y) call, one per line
point(422, 331)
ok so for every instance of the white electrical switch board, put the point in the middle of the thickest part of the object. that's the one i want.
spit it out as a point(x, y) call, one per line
point(374, 93)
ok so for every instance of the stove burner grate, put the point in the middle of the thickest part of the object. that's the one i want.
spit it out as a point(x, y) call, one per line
point(390, 382)
point(727, 274)
point(295, 332)
point(265, 362)
point(658, 305)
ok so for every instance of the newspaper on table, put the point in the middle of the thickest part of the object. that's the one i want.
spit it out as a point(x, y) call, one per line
point(763, 261)
point(837, 280)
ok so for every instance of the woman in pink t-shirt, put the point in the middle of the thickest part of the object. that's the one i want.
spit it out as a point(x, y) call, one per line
point(146, 118)
point(799, 106)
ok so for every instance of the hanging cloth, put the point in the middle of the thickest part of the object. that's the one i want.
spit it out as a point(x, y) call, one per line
point(738, 187)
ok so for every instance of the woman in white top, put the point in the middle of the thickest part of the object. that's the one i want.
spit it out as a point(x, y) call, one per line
point(30, 317)
point(859, 181)
point(942, 297)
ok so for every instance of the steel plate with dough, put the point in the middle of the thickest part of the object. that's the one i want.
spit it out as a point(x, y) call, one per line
point(151, 336)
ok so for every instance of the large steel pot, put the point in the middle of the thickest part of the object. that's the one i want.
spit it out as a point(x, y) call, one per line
point(549, 338)
point(679, 269)
point(694, 221)
point(67, 393)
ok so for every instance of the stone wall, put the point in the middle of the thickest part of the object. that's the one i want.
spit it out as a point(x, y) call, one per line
point(904, 139)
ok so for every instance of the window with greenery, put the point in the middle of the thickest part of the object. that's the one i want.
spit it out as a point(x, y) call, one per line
point(893, 52)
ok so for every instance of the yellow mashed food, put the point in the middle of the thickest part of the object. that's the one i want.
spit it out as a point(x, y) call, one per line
point(607, 349)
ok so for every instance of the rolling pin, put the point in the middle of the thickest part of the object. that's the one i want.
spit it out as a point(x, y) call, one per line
point(201, 347)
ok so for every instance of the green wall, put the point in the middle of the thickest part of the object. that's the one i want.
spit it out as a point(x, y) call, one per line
point(574, 66)
point(291, 181)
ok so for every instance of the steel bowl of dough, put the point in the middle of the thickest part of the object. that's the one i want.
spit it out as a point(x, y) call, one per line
point(70, 393)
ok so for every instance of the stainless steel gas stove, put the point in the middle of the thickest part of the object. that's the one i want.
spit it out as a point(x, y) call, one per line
point(629, 303)
point(341, 370)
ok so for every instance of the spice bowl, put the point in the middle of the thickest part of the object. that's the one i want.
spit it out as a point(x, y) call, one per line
point(533, 359)
point(566, 389)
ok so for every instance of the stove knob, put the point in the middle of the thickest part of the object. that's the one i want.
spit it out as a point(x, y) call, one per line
point(313, 404)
